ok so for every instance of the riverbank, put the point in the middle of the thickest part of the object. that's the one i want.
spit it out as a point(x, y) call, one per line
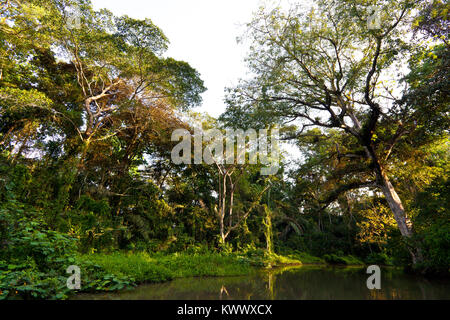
point(119, 270)
point(309, 282)
point(144, 267)
point(109, 272)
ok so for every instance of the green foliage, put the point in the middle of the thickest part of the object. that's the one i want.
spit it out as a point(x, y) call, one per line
point(143, 267)
point(433, 226)
point(95, 278)
point(436, 246)
point(305, 257)
point(344, 260)
point(26, 281)
point(334, 259)
point(263, 258)
point(139, 267)
point(378, 259)
point(33, 259)
point(209, 264)
point(225, 247)
point(268, 230)
point(25, 236)
point(302, 256)
point(90, 222)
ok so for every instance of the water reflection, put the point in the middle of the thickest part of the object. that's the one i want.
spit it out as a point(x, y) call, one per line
point(307, 282)
point(222, 290)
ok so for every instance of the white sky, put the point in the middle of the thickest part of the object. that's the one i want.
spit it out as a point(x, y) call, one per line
point(202, 33)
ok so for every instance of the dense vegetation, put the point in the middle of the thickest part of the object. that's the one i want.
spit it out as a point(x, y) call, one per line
point(87, 111)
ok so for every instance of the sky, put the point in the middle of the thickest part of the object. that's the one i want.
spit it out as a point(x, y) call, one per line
point(202, 33)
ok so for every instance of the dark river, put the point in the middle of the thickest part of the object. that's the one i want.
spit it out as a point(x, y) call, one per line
point(306, 282)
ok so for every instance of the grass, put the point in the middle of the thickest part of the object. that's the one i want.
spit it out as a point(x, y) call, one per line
point(261, 258)
point(206, 264)
point(142, 267)
point(303, 257)
point(342, 260)
point(138, 266)
point(306, 258)
point(333, 259)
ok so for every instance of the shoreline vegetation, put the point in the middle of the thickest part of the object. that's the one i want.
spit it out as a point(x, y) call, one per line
point(127, 269)
point(115, 271)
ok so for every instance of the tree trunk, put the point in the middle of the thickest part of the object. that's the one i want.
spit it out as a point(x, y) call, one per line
point(222, 231)
point(392, 198)
point(403, 222)
point(395, 204)
point(222, 209)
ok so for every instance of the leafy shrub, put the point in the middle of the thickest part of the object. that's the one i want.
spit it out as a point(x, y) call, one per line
point(33, 258)
point(90, 222)
point(344, 260)
point(198, 249)
point(334, 259)
point(25, 281)
point(432, 224)
point(95, 278)
point(436, 249)
point(226, 247)
point(378, 259)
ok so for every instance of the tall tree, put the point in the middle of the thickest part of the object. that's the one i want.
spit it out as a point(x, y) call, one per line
point(329, 68)
point(116, 61)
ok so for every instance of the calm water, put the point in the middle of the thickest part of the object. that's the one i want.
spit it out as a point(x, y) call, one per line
point(307, 282)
